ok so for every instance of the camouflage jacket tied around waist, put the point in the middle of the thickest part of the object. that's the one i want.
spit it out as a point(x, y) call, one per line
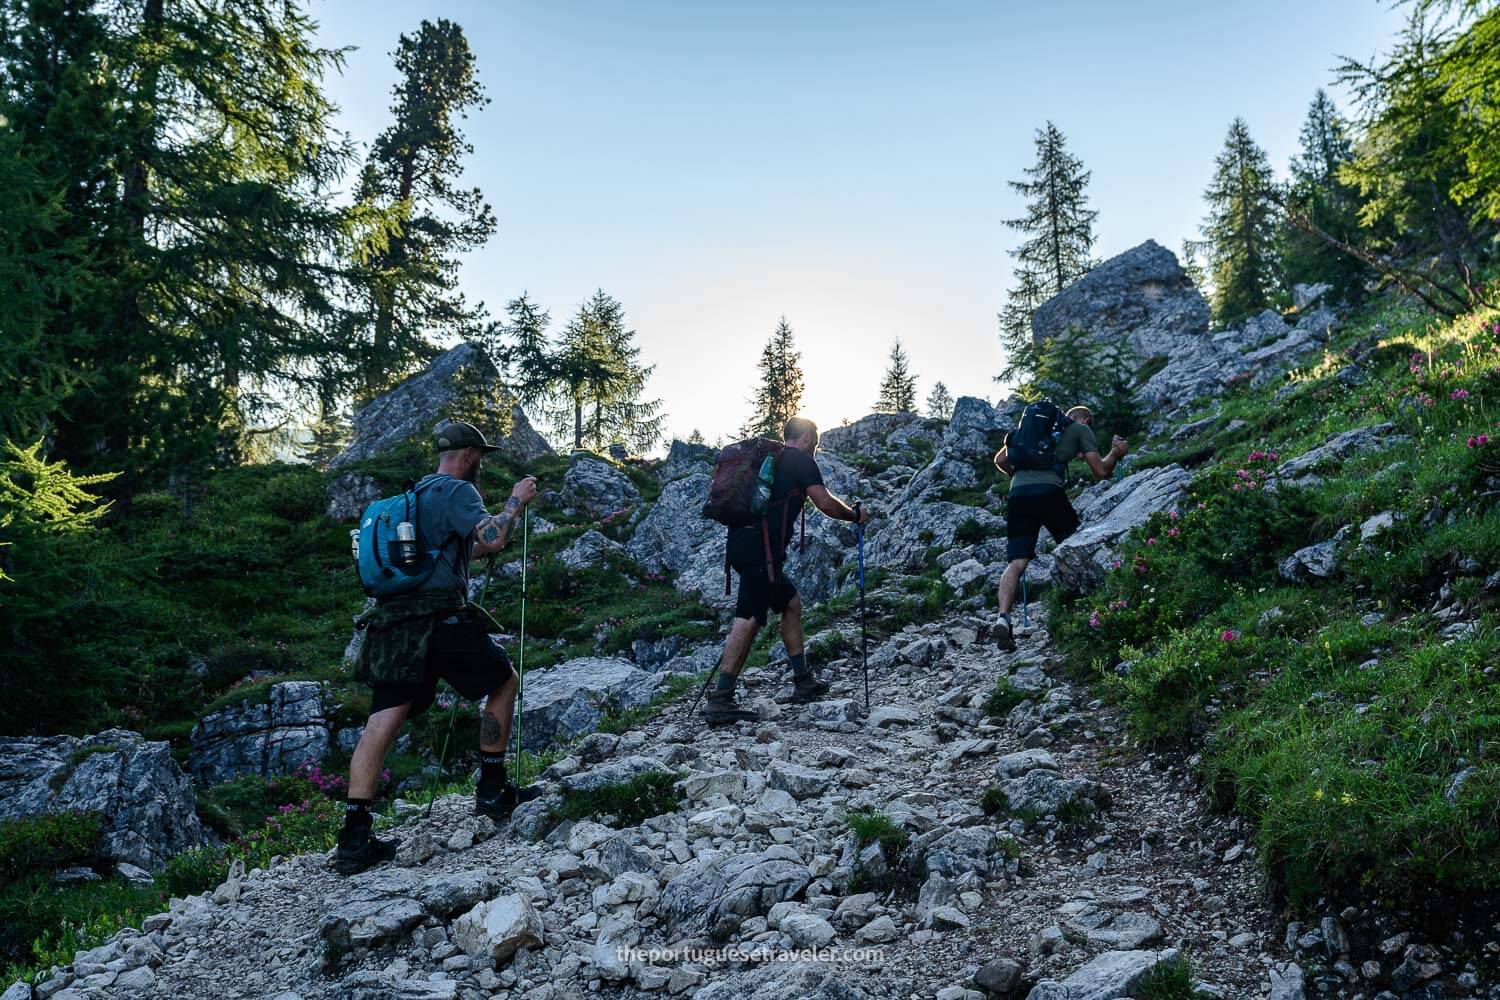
point(396, 633)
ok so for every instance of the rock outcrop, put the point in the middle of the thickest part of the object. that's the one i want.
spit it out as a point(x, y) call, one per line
point(570, 699)
point(595, 486)
point(883, 434)
point(590, 549)
point(1141, 297)
point(276, 736)
point(684, 457)
point(462, 383)
point(1108, 512)
point(144, 800)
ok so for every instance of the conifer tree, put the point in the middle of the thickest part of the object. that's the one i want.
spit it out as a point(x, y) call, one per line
point(1240, 230)
point(940, 402)
point(418, 220)
point(1059, 230)
point(778, 393)
point(599, 382)
point(1318, 190)
point(898, 389)
point(525, 355)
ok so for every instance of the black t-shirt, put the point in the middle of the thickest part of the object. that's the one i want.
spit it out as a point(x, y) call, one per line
point(796, 470)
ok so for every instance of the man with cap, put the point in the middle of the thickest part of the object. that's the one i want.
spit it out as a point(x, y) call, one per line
point(413, 641)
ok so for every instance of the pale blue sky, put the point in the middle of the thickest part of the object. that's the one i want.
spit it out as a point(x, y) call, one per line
point(717, 165)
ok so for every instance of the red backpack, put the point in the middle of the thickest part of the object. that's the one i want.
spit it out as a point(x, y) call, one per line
point(739, 494)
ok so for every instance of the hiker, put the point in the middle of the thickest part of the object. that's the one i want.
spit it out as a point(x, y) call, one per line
point(1045, 441)
point(757, 552)
point(412, 641)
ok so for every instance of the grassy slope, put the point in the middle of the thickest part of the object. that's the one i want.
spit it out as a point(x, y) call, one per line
point(1334, 714)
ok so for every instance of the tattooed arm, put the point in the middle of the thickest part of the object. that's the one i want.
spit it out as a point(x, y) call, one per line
point(492, 533)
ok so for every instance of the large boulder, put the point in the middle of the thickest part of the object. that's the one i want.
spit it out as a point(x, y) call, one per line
point(684, 457)
point(462, 383)
point(973, 428)
point(1141, 298)
point(1105, 977)
point(883, 434)
point(596, 486)
point(717, 896)
point(1305, 468)
point(1109, 514)
point(349, 494)
point(590, 549)
point(276, 736)
point(917, 527)
point(786, 981)
point(145, 802)
point(570, 699)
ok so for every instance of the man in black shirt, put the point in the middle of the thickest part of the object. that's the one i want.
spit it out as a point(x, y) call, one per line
point(765, 588)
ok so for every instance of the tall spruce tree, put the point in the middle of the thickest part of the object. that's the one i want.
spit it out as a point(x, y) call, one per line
point(418, 220)
point(525, 355)
point(1239, 232)
point(599, 382)
point(1059, 227)
point(190, 145)
point(1318, 190)
point(778, 393)
point(940, 402)
point(898, 388)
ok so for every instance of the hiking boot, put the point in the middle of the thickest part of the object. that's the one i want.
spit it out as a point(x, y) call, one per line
point(722, 710)
point(501, 802)
point(808, 688)
point(1003, 635)
point(359, 849)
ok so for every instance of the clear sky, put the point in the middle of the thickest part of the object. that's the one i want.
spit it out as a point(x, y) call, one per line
point(715, 165)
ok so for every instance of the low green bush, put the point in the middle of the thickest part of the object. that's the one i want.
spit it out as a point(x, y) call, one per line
point(1003, 697)
point(869, 825)
point(47, 842)
point(629, 802)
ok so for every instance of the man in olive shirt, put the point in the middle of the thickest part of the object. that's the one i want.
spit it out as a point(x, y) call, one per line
point(1037, 500)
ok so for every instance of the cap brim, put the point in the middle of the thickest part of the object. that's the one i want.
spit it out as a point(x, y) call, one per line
point(489, 448)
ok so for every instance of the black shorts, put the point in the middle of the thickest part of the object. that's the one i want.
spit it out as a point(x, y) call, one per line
point(460, 652)
point(1027, 514)
point(757, 594)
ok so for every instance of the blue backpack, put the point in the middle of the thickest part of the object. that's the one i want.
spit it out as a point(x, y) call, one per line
point(380, 569)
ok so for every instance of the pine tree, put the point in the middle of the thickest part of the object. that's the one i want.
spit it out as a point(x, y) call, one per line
point(191, 146)
point(418, 220)
point(1318, 190)
point(1060, 230)
point(940, 402)
point(525, 354)
point(778, 394)
point(1240, 229)
point(599, 382)
point(898, 389)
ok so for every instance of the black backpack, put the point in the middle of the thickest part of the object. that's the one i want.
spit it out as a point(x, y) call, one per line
point(1033, 444)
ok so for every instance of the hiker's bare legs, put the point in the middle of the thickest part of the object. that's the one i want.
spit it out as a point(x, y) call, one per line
point(737, 646)
point(791, 626)
point(374, 743)
point(1008, 581)
point(497, 716)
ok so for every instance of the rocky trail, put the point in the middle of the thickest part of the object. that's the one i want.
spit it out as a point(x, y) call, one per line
point(1110, 863)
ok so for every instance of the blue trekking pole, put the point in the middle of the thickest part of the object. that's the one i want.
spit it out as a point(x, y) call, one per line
point(521, 655)
point(864, 641)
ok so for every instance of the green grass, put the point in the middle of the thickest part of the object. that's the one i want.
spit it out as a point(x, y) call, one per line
point(1168, 981)
point(630, 803)
point(869, 825)
point(1003, 697)
point(1341, 740)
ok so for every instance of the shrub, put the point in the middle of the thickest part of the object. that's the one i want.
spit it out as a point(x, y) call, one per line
point(869, 825)
point(969, 532)
point(994, 801)
point(47, 842)
point(1003, 697)
point(630, 802)
point(298, 495)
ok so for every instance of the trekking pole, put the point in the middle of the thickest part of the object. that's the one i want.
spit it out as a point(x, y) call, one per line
point(703, 690)
point(489, 573)
point(864, 640)
point(521, 655)
point(1026, 622)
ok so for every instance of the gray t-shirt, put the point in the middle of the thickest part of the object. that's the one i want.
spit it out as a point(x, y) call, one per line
point(447, 512)
point(1076, 439)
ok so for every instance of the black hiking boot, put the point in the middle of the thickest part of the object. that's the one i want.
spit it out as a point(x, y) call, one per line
point(721, 710)
point(1003, 635)
point(359, 849)
point(501, 802)
point(808, 688)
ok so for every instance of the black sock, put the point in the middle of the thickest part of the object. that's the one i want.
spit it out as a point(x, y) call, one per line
point(799, 664)
point(725, 686)
point(357, 812)
point(492, 768)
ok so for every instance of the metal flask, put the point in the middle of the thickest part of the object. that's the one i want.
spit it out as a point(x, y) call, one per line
point(354, 543)
point(406, 544)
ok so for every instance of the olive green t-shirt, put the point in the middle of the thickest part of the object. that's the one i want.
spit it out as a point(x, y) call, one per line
point(1077, 439)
